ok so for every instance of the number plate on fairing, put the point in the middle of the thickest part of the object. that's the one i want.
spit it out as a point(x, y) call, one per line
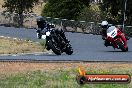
point(112, 32)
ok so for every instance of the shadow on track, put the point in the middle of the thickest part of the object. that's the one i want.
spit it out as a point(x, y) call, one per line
point(118, 51)
point(63, 54)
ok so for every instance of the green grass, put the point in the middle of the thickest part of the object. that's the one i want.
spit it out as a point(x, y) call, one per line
point(42, 43)
point(51, 79)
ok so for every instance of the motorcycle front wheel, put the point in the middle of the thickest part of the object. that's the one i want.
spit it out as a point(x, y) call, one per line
point(122, 48)
point(69, 49)
point(54, 48)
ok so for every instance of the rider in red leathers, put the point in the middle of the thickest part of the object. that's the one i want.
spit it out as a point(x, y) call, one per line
point(105, 26)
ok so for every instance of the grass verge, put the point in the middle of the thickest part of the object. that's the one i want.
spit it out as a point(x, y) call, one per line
point(15, 46)
point(57, 75)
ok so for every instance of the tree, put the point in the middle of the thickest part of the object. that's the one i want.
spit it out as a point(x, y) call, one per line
point(129, 12)
point(68, 9)
point(92, 14)
point(115, 10)
point(19, 7)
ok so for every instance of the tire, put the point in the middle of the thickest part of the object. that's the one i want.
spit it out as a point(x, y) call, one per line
point(69, 50)
point(122, 48)
point(53, 47)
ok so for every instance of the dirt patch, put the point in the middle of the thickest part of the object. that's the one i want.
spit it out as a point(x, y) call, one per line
point(22, 67)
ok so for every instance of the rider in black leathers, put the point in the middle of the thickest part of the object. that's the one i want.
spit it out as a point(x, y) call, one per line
point(43, 25)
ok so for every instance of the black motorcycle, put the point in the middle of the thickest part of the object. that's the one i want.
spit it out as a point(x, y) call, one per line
point(55, 41)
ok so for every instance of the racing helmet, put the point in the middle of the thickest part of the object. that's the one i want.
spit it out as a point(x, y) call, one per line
point(104, 24)
point(40, 18)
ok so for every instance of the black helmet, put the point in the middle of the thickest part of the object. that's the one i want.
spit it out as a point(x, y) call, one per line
point(40, 18)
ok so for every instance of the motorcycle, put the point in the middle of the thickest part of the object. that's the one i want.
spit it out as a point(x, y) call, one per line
point(56, 42)
point(116, 38)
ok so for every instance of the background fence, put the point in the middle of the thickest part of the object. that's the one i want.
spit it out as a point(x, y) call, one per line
point(8, 19)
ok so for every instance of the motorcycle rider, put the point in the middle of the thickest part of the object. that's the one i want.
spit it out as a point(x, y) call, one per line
point(43, 25)
point(105, 26)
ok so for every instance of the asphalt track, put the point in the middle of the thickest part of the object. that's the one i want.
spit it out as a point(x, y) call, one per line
point(87, 47)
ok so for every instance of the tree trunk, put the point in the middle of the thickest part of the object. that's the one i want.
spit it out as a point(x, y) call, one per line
point(21, 19)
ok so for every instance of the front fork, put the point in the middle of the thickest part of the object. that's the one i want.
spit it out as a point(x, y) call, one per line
point(120, 40)
point(46, 46)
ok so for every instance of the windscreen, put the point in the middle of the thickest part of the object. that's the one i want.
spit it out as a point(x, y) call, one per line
point(110, 29)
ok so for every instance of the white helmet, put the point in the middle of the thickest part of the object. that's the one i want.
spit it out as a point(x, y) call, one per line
point(104, 24)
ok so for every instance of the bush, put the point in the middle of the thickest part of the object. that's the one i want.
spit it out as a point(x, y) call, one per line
point(68, 9)
point(92, 14)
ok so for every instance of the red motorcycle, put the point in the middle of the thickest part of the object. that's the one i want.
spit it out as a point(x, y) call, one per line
point(116, 38)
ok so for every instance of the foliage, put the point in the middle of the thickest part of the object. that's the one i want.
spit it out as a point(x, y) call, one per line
point(68, 9)
point(92, 14)
point(85, 2)
point(19, 7)
point(115, 10)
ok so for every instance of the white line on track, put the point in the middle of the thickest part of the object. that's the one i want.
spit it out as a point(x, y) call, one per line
point(22, 54)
